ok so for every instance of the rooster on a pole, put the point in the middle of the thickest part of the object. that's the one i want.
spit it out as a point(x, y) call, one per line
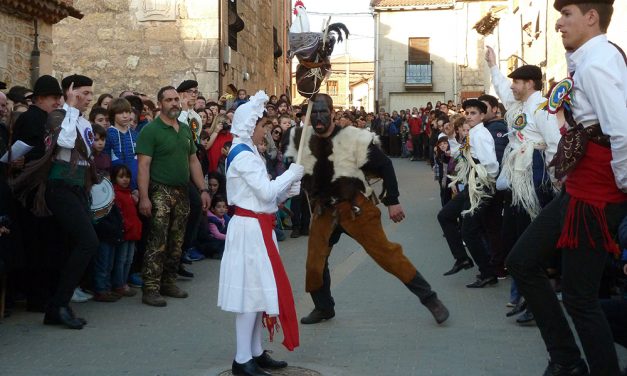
point(313, 51)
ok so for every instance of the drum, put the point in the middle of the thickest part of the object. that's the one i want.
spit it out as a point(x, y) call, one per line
point(102, 195)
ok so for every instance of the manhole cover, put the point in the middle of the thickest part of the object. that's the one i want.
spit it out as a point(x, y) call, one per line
point(288, 371)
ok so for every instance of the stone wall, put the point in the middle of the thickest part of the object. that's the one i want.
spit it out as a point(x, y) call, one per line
point(113, 45)
point(144, 45)
point(17, 38)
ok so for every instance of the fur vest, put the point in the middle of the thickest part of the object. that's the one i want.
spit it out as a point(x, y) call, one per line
point(334, 163)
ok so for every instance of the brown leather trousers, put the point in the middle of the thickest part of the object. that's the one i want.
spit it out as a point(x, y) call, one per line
point(365, 227)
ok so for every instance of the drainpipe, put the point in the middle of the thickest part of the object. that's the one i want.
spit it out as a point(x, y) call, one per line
point(376, 61)
point(221, 49)
point(34, 57)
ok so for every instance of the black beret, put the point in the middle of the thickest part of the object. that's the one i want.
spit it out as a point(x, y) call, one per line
point(78, 81)
point(46, 85)
point(475, 103)
point(527, 72)
point(186, 85)
point(559, 4)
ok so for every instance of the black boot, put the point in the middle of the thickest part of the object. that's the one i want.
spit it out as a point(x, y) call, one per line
point(62, 316)
point(579, 368)
point(318, 315)
point(459, 266)
point(250, 368)
point(421, 288)
point(184, 272)
point(265, 361)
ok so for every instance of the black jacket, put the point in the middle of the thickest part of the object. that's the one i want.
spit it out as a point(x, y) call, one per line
point(498, 130)
point(30, 128)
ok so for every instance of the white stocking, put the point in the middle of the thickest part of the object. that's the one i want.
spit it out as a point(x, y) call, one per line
point(256, 340)
point(244, 329)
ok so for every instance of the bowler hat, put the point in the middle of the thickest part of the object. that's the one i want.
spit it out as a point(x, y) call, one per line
point(18, 94)
point(46, 85)
point(559, 4)
point(186, 85)
point(527, 72)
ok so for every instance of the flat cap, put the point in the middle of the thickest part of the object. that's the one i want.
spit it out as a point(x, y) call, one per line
point(18, 94)
point(475, 103)
point(527, 72)
point(78, 81)
point(186, 85)
point(559, 4)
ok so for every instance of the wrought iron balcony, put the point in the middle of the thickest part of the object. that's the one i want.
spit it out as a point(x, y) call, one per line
point(418, 75)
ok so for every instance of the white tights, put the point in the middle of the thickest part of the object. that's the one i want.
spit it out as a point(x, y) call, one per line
point(248, 332)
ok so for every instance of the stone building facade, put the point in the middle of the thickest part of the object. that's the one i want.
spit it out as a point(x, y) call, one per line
point(525, 33)
point(143, 45)
point(20, 22)
point(426, 50)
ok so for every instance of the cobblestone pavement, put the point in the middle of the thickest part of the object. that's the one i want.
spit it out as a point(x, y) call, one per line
point(379, 329)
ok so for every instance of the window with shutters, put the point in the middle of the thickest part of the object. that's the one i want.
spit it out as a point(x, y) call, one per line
point(332, 88)
point(419, 51)
point(418, 68)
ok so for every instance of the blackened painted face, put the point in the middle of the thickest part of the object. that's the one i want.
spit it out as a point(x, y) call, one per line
point(320, 116)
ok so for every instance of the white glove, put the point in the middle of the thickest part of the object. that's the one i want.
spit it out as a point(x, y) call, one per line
point(297, 170)
point(294, 190)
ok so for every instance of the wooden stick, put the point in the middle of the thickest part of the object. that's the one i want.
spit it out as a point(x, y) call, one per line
point(303, 135)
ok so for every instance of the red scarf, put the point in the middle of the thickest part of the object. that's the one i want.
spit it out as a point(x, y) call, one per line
point(591, 185)
point(287, 311)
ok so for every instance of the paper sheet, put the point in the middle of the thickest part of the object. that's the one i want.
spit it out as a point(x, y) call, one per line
point(18, 150)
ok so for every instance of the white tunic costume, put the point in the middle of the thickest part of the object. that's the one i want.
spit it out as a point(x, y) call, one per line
point(246, 277)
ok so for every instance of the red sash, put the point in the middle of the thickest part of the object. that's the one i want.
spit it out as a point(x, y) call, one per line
point(287, 311)
point(590, 185)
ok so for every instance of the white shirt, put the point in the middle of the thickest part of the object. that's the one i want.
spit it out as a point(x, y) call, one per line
point(72, 123)
point(600, 96)
point(541, 126)
point(186, 116)
point(249, 186)
point(482, 148)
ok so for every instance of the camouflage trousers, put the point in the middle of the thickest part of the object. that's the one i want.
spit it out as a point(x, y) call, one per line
point(170, 209)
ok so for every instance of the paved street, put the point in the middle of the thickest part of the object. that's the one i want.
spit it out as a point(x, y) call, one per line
point(379, 329)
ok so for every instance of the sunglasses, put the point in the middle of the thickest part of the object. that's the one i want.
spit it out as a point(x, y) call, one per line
point(276, 132)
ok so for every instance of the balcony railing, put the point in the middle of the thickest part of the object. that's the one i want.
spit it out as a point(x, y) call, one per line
point(419, 75)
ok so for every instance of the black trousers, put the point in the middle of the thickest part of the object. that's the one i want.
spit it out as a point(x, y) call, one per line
point(70, 208)
point(416, 142)
point(616, 314)
point(493, 225)
point(300, 211)
point(582, 269)
point(472, 232)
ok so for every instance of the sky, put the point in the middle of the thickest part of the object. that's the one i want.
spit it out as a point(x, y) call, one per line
point(355, 14)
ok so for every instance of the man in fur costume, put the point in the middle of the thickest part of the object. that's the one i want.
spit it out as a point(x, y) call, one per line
point(336, 163)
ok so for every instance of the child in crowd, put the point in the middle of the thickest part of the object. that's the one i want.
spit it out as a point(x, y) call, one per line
point(222, 161)
point(101, 160)
point(201, 153)
point(121, 138)
point(262, 148)
point(285, 122)
point(100, 116)
point(125, 250)
point(442, 156)
point(218, 221)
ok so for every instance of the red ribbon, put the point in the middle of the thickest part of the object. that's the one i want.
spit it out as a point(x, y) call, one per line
point(287, 311)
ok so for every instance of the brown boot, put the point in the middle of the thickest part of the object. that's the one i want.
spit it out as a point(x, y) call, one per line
point(125, 291)
point(173, 291)
point(106, 296)
point(153, 299)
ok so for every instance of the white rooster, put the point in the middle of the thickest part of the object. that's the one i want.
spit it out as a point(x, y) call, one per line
point(301, 22)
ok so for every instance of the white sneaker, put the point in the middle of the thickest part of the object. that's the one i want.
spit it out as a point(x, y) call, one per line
point(85, 293)
point(79, 296)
